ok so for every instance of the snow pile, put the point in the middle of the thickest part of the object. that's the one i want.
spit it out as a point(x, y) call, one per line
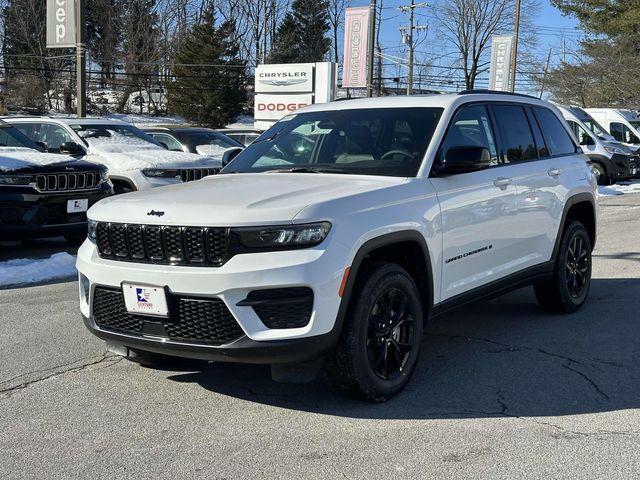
point(211, 150)
point(243, 121)
point(619, 189)
point(13, 158)
point(25, 271)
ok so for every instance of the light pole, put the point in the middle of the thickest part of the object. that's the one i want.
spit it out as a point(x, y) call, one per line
point(372, 39)
point(514, 56)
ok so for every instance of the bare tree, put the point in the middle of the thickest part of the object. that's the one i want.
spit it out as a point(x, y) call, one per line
point(336, 20)
point(469, 26)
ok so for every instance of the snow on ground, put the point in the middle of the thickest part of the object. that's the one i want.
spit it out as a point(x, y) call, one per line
point(26, 271)
point(619, 189)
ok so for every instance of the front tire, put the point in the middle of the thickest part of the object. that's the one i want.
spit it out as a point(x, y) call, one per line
point(601, 174)
point(378, 350)
point(567, 290)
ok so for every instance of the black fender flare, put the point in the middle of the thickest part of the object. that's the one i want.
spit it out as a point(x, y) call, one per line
point(571, 201)
point(361, 256)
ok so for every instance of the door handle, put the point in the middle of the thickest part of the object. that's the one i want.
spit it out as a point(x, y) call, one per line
point(554, 172)
point(502, 182)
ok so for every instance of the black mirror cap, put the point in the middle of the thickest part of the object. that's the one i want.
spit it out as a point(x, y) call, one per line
point(229, 154)
point(71, 148)
point(586, 140)
point(464, 160)
point(42, 145)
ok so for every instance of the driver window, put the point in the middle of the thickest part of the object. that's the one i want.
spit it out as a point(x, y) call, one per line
point(623, 134)
point(470, 128)
point(171, 143)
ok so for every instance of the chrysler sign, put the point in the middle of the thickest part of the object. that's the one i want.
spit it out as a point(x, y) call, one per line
point(500, 69)
point(289, 78)
point(61, 23)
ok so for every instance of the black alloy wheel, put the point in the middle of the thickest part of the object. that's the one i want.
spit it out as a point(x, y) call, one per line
point(390, 334)
point(577, 266)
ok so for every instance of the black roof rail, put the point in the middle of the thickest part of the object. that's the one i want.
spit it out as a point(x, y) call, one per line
point(495, 92)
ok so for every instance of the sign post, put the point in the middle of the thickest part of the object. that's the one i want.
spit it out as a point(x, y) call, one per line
point(66, 29)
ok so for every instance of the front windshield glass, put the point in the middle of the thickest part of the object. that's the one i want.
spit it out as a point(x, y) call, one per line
point(115, 133)
point(380, 141)
point(595, 127)
point(635, 124)
point(12, 137)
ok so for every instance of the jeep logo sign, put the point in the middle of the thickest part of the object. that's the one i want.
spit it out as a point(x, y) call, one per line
point(274, 107)
point(61, 24)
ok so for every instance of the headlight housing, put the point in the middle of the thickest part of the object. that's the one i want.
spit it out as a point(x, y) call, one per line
point(282, 237)
point(104, 176)
point(160, 172)
point(16, 179)
point(92, 228)
point(615, 150)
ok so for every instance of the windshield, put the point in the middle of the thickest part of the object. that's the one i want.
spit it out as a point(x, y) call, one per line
point(381, 141)
point(635, 124)
point(113, 132)
point(595, 127)
point(196, 138)
point(12, 137)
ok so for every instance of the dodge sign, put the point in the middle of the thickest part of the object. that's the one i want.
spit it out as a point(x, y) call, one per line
point(274, 107)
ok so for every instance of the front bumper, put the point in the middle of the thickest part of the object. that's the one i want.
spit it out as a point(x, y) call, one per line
point(316, 269)
point(37, 215)
point(625, 166)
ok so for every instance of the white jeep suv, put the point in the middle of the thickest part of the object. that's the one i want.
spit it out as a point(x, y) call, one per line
point(135, 160)
point(334, 237)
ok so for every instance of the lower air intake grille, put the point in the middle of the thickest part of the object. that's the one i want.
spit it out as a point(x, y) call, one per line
point(282, 307)
point(205, 321)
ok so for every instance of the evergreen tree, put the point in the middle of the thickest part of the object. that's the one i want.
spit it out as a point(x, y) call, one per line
point(210, 79)
point(302, 35)
point(105, 22)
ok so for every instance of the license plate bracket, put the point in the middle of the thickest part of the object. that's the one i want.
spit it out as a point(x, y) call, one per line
point(148, 300)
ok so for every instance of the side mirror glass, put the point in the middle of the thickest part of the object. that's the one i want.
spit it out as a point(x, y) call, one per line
point(71, 148)
point(464, 160)
point(229, 154)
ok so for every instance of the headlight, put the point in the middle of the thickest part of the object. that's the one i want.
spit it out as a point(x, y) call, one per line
point(15, 179)
point(160, 172)
point(616, 150)
point(282, 237)
point(92, 227)
point(104, 176)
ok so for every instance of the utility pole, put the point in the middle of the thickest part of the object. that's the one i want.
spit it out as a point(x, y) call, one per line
point(409, 36)
point(514, 56)
point(264, 33)
point(81, 61)
point(372, 40)
point(544, 75)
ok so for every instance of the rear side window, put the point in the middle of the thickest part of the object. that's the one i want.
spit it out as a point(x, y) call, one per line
point(515, 133)
point(558, 139)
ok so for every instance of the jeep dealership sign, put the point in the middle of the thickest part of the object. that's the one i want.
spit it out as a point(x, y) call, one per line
point(284, 88)
point(61, 23)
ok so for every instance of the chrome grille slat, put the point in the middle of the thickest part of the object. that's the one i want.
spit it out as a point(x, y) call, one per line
point(192, 174)
point(67, 181)
point(195, 246)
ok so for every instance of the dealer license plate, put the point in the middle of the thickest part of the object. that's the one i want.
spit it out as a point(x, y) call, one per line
point(77, 206)
point(145, 300)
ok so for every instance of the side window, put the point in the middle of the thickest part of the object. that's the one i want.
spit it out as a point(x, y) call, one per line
point(171, 143)
point(52, 135)
point(515, 133)
point(543, 151)
point(581, 134)
point(622, 133)
point(471, 127)
point(557, 137)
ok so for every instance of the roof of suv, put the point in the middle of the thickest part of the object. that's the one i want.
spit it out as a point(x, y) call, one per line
point(424, 101)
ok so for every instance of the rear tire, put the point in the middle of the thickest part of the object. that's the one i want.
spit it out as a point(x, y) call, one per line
point(569, 287)
point(380, 343)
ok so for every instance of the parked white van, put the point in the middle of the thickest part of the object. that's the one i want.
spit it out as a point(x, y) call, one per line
point(611, 160)
point(623, 125)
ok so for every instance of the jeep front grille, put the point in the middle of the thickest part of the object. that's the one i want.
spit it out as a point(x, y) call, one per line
point(191, 174)
point(194, 246)
point(68, 182)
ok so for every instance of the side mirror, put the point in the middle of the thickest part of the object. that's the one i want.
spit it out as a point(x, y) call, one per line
point(464, 160)
point(586, 140)
point(163, 145)
point(71, 148)
point(229, 154)
point(42, 145)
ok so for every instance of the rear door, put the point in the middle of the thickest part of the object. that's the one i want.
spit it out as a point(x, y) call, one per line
point(478, 209)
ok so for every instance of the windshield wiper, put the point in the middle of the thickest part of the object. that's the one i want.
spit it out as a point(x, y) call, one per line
point(306, 170)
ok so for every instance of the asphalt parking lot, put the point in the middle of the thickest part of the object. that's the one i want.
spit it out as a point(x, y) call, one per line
point(502, 391)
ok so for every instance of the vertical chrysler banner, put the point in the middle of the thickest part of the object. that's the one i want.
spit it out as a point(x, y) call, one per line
point(61, 23)
point(356, 36)
point(499, 72)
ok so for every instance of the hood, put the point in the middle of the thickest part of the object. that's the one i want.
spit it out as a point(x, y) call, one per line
point(236, 199)
point(121, 156)
point(615, 144)
point(25, 160)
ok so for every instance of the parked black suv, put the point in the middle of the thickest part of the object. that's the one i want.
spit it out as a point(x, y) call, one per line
point(44, 194)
